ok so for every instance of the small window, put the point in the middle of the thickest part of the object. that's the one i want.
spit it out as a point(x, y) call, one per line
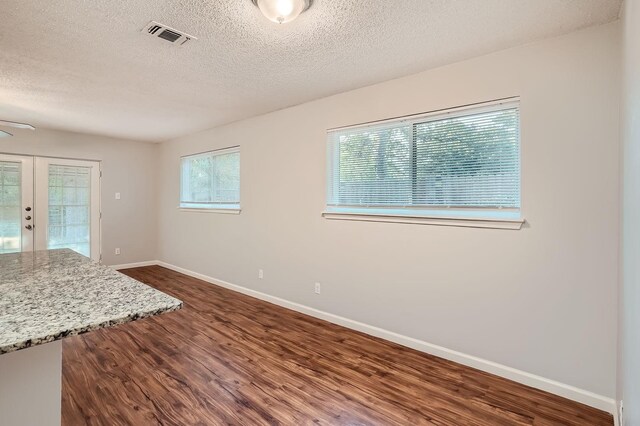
point(211, 180)
point(462, 163)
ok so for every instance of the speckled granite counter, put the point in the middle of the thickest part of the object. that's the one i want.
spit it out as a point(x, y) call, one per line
point(52, 294)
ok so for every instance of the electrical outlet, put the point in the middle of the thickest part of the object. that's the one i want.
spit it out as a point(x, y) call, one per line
point(317, 289)
point(260, 273)
point(117, 252)
point(117, 195)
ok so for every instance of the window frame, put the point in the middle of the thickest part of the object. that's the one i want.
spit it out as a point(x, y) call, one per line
point(210, 207)
point(472, 216)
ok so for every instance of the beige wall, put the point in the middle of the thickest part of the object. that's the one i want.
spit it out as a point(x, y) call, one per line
point(630, 348)
point(128, 167)
point(543, 299)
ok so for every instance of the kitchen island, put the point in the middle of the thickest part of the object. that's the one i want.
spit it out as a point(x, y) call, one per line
point(46, 296)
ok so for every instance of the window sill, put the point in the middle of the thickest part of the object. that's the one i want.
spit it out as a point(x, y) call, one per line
point(514, 224)
point(222, 211)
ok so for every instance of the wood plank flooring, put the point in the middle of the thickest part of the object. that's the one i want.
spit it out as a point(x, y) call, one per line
point(228, 359)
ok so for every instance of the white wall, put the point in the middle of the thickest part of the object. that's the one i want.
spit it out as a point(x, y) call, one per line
point(630, 348)
point(542, 299)
point(128, 167)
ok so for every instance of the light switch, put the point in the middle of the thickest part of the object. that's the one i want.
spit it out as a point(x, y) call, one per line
point(117, 195)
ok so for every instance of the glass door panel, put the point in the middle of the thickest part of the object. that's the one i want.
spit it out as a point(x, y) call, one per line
point(16, 199)
point(68, 204)
point(69, 224)
point(10, 207)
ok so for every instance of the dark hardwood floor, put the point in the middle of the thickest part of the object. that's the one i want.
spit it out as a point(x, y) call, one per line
point(228, 359)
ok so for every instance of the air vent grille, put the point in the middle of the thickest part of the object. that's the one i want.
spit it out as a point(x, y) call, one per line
point(156, 29)
point(169, 35)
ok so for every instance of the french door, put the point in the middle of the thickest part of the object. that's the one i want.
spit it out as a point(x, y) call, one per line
point(49, 203)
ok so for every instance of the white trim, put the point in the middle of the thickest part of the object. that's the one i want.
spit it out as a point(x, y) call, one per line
point(49, 156)
point(618, 417)
point(481, 107)
point(567, 391)
point(427, 220)
point(220, 151)
point(223, 211)
point(417, 214)
point(135, 264)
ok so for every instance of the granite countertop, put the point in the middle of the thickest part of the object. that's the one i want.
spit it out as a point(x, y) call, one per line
point(51, 294)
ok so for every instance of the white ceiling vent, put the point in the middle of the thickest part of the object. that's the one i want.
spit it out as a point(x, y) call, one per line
point(156, 29)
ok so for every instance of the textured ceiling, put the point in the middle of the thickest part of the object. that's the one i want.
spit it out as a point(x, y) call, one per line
point(85, 66)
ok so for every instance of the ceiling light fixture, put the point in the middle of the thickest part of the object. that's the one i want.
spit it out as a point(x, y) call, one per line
point(282, 11)
point(16, 125)
point(5, 134)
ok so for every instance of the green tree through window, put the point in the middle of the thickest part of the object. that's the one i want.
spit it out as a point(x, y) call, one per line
point(470, 160)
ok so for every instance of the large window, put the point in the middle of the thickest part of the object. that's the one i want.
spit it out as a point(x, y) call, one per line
point(462, 163)
point(211, 180)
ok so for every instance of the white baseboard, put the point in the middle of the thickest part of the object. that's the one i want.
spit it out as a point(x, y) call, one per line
point(135, 265)
point(570, 392)
point(618, 417)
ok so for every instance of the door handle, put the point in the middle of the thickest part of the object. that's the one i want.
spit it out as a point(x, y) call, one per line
point(29, 227)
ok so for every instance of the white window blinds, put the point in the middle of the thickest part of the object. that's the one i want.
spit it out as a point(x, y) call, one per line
point(462, 160)
point(10, 207)
point(69, 208)
point(211, 180)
